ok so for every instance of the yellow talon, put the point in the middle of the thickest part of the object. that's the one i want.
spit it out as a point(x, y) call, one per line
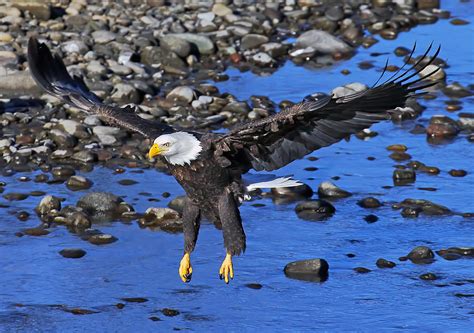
point(185, 268)
point(226, 270)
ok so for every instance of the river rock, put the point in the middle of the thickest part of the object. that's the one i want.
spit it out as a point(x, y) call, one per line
point(175, 44)
point(39, 9)
point(369, 202)
point(101, 205)
point(330, 190)
point(314, 270)
point(252, 41)
point(440, 75)
point(125, 94)
point(72, 253)
point(383, 263)
point(183, 93)
point(262, 59)
point(442, 127)
point(78, 220)
point(302, 191)
point(457, 90)
point(48, 204)
point(77, 183)
point(403, 177)
point(165, 219)
point(102, 239)
point(315, 210)
point(203, 43)
point(322, 42)
point(421, 255)
point(103, 36)
point(348, 89)
point(177, 204)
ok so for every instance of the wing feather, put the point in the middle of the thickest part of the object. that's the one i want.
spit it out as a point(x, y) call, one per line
point(312, 124)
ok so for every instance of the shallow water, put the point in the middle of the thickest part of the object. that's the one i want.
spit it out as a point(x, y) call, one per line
point(144, 263)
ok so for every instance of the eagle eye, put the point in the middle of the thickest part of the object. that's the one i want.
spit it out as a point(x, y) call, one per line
point(166, 144)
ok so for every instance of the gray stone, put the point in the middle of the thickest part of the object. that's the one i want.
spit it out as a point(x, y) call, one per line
point(421, 255)
point(440, 75)
point(315, 210)
point(75, 46)
point(183, 93)
point(48, 204)
point(262, 59)
point(96, 68)
point(165, 219)
point(100, 205)
point(314, 270)
point(322, 42)
point(330, 190)
point(175, 44)
point(77, 183)
point(203, 43)
point(103, 36)
point(348, 89)
point(252, 41)
point(221, 9)
point(125, 94)
point(39, 9)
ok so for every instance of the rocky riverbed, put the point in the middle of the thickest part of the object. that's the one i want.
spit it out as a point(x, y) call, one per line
point(88, 226)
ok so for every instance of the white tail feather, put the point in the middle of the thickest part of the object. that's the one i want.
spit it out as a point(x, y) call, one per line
point(275, 183)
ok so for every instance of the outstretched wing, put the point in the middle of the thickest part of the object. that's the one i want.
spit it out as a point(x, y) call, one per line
point(50, 74)
point(273, 142)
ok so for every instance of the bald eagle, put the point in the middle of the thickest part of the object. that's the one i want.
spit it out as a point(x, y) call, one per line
point(210, 166)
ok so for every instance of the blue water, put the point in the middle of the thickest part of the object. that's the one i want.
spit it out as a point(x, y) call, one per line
point(144, 263)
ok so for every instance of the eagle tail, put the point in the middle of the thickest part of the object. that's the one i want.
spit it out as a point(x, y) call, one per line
point(51, 74)
point(275, 183)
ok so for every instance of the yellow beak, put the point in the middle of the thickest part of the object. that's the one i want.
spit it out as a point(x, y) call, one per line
point(154, 151)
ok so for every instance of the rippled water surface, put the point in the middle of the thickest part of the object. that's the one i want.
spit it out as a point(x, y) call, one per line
point(144, 263)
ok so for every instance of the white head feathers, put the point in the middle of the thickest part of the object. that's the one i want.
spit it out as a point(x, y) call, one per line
point(179, 148)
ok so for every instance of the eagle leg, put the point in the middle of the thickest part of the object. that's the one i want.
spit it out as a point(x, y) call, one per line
point(234, 236)
point(191, 223)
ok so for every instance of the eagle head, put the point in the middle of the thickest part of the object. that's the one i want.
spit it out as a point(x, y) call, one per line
point(178, 148)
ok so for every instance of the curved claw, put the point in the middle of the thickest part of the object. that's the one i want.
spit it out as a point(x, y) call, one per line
point(227, 269)
point(185, 268)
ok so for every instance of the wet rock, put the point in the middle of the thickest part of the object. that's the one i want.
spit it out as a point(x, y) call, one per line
point(314, 270)
point(95, 68)
point(362, 270)
point(456, 90)
point(397, 147)
point(466, 121)
point(421, 255)
point(458, 21)
point(383, 263)
point(322, 42)
point(62, 172)
point(62, 139)
point(404, 177)
point(100, 205)
point(203, 43)
point(72, 253)
point(426, 206)
point(48, 204)
point(428, 277)
point(410, 212)
point(35, 232)
point(314, 210)
point(262, 59)
point(14, 196)
point(371, 218)
point(170, 312)
point(252, 41)
point(330, 190)
point(369, 202)
point(135, 299)
point(454, 253)
point(74, 128)
point(458, 173)
point(183, 93)
point(175, 44)
point(442, 127)
point(78, 220)
point(177, 204)
point(84, 156)
point(103, 36)
point(255, 286)
point(102, 239)
point(302, 191)
point(275, 50)
point(399, 156)
point(165, 219)
point(77, 183)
